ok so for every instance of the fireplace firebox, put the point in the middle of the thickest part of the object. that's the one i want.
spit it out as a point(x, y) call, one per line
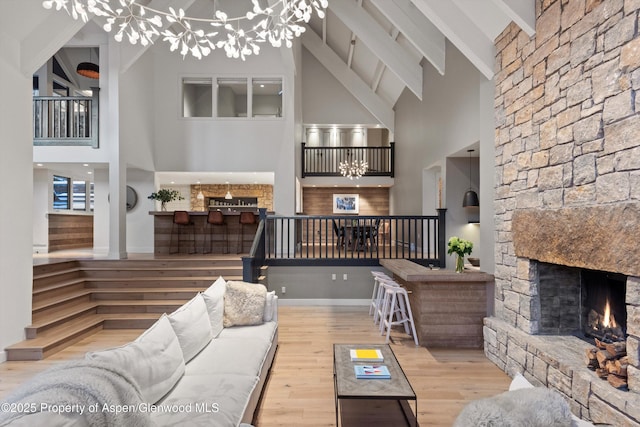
point(586, 303)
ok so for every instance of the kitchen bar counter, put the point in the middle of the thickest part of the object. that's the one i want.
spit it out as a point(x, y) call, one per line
point(448, 307)
point(163, 221)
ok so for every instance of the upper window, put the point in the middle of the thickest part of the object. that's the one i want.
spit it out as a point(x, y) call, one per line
point(232, 97)
point(238, 97)
point(197, 97)
point(267, 97)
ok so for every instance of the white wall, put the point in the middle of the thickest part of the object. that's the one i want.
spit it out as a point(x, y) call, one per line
point(16, 227)
point(139, 222)
point(455, 113)
point(42, 197)
point(457, 181)
point(325, 100)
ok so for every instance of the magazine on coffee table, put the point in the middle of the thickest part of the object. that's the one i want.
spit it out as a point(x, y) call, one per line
point(372, 372)
point(366, 355)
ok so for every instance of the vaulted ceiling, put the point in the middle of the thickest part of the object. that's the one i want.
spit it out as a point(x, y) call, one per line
point(377, 48)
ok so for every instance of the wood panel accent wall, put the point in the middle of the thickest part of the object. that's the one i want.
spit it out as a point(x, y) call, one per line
point(70, 231)
point(319, 200)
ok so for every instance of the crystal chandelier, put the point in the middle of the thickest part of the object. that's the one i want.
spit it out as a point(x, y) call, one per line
point(279, 23)
point(353, 169)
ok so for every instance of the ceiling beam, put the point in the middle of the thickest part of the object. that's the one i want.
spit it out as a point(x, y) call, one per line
point(349, 79)
point(522, 12)
point(46, 39)
point(462, 32)
point(380, 43)
point(422, 34)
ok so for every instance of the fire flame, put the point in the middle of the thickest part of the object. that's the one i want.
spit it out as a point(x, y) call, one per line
point(609, 321)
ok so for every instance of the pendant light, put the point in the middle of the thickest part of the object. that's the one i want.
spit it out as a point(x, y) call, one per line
point(88, 69)
point(228, 196)
point(470, 197)
point(200, 196)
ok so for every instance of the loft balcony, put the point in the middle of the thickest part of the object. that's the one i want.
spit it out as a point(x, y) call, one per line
point(325, 161)
point(66, 120)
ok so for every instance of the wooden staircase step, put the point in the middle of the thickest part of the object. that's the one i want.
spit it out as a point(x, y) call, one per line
point(79, 294)
point(176, 271)
point(145, 306)
point(149, 282)
point(187, 261)
point(55, 339)
point(48, 319)
point(45, 281)
point(129, 320)
point(52, 267)
point(58, 285)
point(185, 293)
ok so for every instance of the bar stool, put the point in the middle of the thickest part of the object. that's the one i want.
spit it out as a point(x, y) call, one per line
point(182, 220)
point(246, 218)
point(381, 308)
point(216, 219)
point(376, 297)
point(396, 303)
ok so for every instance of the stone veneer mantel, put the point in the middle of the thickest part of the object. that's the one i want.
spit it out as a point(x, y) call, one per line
point(593, 237)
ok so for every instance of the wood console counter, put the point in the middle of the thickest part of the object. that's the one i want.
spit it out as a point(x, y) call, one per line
point(163, 221)
point(448, 307)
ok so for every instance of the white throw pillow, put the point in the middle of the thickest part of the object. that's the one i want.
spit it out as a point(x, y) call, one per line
point(192, 326)
point(244, 303)
point(268, 307)
point(154, 360)
point(214, 298)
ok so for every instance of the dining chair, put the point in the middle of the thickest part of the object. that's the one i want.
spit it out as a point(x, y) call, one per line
point(339, 232)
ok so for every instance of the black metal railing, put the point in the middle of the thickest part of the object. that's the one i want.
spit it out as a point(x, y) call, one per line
point(66, 120)
point(325, 161)
point(340, 240)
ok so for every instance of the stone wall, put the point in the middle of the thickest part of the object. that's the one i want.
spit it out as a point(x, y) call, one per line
point(263, 192)
point(567, 145)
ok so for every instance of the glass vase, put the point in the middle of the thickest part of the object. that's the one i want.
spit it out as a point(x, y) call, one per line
point(163, 206)
point(459, 263)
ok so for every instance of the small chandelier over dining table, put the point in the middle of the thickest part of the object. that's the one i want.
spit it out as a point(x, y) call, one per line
point(277, 24)
point(353, 169)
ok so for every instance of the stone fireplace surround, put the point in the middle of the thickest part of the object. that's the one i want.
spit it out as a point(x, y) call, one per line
point(567, 188)
point(514, 342)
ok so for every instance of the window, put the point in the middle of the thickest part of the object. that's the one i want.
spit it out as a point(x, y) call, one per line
point(267, 98)
point(79, 195)
point(197, 97)
point(61, 190)
point(232, 97)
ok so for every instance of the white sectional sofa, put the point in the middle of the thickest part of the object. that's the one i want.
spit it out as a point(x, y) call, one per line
point(204, 364)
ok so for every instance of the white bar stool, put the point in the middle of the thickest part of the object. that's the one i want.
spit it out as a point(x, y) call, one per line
point(396, 303)
point(383, 305)
point(376, 297)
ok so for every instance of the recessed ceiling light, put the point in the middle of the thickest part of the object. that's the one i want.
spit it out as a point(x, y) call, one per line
point(173, 182)
point(89, 173)
point(85, 164)
point(40, 164)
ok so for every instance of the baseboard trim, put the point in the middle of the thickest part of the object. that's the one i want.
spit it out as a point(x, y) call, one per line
point(323, 301)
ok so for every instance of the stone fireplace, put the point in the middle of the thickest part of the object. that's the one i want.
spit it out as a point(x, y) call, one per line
point(567, 198)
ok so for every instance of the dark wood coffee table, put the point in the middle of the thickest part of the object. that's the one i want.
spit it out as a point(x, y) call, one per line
point(346, 386)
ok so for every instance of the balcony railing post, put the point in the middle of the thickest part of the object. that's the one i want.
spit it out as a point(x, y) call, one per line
point(303, 163)
point(442, 238)
point(393, 160)
point(94, 130)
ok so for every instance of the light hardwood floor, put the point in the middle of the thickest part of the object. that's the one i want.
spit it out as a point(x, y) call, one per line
point(299, 391)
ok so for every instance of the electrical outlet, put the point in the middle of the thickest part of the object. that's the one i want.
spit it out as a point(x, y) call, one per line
point(344, 276)
point(284, 289)
point(333, 276)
